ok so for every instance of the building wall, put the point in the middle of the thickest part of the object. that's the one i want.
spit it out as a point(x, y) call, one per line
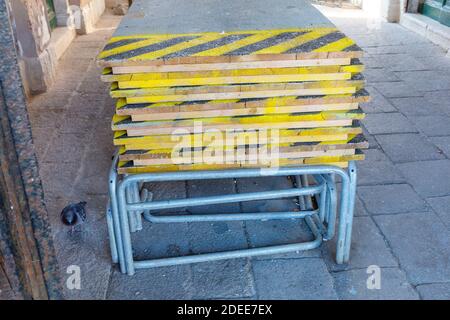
point(39, 47)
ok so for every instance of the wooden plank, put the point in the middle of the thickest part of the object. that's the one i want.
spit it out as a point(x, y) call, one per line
point(340, 161)
point(125, 123)
point(244, 112)
point(122, 108)
point(242, 95)
point(234, 80)
point(199, 158)
point(193, 67)
point(203, 139)
point(356, 80)
point(109, 76)
point(211, 153)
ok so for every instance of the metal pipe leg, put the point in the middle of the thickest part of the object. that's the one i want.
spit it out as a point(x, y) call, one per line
point(125, 228)
point(136, 199)
point(351, 208)
point(112, 237)
point(341, 244)
point(131, 214)
point(115, 213)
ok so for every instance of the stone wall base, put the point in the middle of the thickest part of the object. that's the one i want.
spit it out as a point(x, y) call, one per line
point(429, 28)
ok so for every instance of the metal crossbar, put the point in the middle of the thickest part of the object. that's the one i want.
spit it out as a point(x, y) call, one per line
point(128, 206)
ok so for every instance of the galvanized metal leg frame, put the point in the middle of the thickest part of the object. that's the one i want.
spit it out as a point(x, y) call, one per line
point(128, 205)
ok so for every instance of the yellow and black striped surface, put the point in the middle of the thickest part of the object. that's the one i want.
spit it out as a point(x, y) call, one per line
point(228, 46)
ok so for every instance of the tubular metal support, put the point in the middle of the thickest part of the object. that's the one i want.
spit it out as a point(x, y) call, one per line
point(202, 201)
point(115, 213)
point(129, 206)
point(112, 237)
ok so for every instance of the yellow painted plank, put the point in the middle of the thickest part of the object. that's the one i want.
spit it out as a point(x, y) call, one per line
point(233, 80)
point(240, 95)
point(177, 114)
point(192, 67)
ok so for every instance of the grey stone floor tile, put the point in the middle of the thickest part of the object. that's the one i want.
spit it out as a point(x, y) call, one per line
point(426, 80)
point(428, 178)
point(378, 103)
point(207, 237)
point(393, 198)
point(379, 75)
point(417, 106)
point(432, 125)
point(352, 285)
point(368, 248)
point(443, 143)
point(441, 205)
point(166, 283)
point(408, 147)
point(435, 291)
point(422, 244)
point(396, 89)
point(88, 249)
point(297, 279)
point(378, 172)
point(204, 188)
point(278, 232)
point(388, 123)
point(401, 62)
point(161, 240)
point(226, 279)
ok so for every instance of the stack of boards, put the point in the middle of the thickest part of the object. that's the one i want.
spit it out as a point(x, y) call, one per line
point(234, 99)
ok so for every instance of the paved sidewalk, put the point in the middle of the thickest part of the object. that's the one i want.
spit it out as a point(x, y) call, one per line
point(402, 219)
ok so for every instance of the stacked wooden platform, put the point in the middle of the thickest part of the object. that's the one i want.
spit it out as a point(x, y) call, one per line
point(216, 100)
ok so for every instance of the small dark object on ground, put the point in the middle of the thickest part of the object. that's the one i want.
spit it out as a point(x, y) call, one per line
point(74, 214)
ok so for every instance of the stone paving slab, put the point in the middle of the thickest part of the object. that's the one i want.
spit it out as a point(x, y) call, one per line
point(426, 80)
point(422, 244)
point(380, 123)
point(426, 177)
point(396, 90)
point(161, 240)
point(388, 199)
point(435, 291)
point(264, 233)
point(87, 249)
point(227, 279)
point(378, 172)
point(418, 106)
point(408, 147)
point(378, 103)
point(352, 285)
point(400, 62)
point(441, 205)
point(379, 75)
point(432, 125)
point(205, 188)
point(207, 237)
point(294, 279)
point(442, 143)
point(368, 248)
point(166, 283)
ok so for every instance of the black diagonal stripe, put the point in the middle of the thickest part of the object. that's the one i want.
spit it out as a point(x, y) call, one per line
point(269, 42)
point(206, 46)
point(120, 43)
point(150, 48)
point(317, 43)
point(353, 47)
